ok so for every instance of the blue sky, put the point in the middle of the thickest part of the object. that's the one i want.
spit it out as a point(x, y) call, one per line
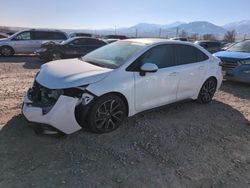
point(96, 14)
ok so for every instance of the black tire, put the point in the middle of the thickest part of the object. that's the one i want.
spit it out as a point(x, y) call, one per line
point(106, 114)
point(207, 91)
point(6, 51)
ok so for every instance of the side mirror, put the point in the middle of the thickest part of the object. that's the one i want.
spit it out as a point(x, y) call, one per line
point(148, 67)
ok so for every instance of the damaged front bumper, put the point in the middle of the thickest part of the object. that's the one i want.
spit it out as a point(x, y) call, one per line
point(61, 116)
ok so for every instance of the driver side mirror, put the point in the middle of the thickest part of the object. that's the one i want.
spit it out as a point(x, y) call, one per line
point(148, 67)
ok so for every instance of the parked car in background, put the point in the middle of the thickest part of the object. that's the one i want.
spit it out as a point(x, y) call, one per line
point(211, 46)
point(11, 33)
point(73, 47)
point(110, 40)
point(236, 61)
point(77, 34)
point(3, 35)
point(179, 38)
point(227, 45)
point(28, 41)
point(120, 79)
point(121, 37)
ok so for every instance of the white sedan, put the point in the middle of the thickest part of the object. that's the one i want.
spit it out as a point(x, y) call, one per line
point(119, 80)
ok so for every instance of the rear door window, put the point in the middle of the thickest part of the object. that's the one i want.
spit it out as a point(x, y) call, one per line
point(40, 35)
point(186, 54)
point(47, 35)
point(82, 42)
point(96, 42)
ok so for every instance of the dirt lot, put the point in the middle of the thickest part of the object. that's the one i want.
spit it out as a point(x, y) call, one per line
point(182, 145)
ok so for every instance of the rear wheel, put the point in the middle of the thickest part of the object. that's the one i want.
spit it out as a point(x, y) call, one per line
point(207, 91)
point(106, 114)
point(6, 51)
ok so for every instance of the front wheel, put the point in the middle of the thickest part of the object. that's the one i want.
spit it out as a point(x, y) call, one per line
point(207, 91)
point(106, 114)
point(7, 51)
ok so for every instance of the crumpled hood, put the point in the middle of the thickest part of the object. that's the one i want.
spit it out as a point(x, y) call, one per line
point(62, 74)
point(49, 43)
point(227, 55)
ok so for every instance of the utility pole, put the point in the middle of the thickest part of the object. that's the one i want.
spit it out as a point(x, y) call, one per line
point(115, 30)
point(160, 33)
point(136, 33)
point(177, 31)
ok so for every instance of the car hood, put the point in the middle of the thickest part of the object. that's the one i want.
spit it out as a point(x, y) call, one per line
point(62, 74)
point(227, 55)
point(4, 40)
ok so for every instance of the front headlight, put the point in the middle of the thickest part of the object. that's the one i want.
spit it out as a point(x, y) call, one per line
point(75, 92)
point(245, 62)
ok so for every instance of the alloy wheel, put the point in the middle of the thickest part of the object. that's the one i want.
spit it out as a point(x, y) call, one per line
point(6, 51)
point(108, 116)
point(207, 91)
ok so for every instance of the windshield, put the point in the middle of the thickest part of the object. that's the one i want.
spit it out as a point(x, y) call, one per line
point(243, 46)
point(67, 41)
point(113, 55)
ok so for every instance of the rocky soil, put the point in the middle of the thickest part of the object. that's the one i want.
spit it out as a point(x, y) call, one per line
point(181, 145)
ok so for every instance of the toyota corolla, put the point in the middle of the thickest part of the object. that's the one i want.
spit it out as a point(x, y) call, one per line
point(120, 80)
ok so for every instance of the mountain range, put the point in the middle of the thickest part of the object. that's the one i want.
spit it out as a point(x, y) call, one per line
point(242, 29)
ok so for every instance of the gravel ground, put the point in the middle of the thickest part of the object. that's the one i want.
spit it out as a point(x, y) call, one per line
point(181, 145)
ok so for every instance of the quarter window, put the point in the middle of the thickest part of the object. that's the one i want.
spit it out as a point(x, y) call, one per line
point(200, 56)
point(58, 36)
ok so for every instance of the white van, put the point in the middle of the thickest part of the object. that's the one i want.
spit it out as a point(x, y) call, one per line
point(28, 41)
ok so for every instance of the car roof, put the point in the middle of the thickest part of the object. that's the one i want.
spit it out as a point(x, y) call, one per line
point(207, 41)
point(48, 30)
point(150, 41)
point(85, 38)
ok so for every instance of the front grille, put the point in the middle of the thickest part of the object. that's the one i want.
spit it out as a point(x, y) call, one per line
point(42, 96)
point(229, 65)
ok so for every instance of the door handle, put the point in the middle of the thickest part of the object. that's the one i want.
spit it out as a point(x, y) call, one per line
point(201, 67)
point(173, 73)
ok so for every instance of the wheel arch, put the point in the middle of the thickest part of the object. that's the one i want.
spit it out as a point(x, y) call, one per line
point(212, 77)
point(5, 45)
point(120, 95)
point(198, 91)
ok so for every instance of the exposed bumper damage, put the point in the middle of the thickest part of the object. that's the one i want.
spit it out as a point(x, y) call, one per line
point(61, 116)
